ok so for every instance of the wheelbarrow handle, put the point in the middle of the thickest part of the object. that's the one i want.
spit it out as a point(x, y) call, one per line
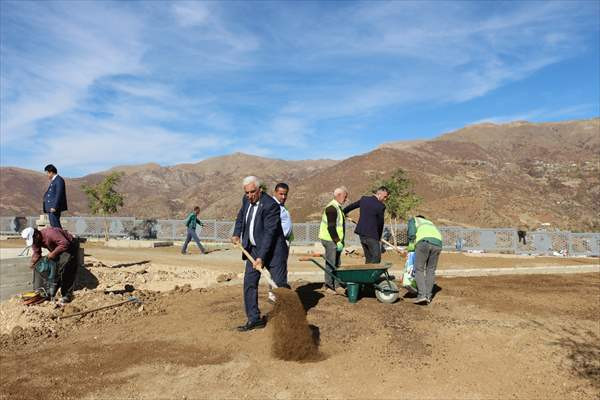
point(265, 271)
point(333, 276)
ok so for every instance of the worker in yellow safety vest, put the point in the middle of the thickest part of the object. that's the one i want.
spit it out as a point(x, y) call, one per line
point(332, 233)
point(425, 239)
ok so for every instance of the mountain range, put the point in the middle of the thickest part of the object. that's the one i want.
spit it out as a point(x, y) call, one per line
point(486, 175)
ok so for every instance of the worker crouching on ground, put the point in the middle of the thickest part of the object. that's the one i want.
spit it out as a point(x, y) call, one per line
point(332, 233)
point(63, 250)
point(426, 241)
point(258, 229)
point(370, 223)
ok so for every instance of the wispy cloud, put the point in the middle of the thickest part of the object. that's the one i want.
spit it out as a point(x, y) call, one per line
point(84, 144)
point(179, 81)
point(70, 48)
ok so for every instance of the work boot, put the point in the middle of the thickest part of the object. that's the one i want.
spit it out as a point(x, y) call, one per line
point(67, 298)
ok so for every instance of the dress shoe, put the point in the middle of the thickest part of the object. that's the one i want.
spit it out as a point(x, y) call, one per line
point(252, 325)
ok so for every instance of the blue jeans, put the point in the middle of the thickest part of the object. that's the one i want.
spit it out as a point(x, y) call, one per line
point(191, 234)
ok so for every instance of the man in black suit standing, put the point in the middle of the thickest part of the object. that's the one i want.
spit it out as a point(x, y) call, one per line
point(370, 223)
point(258, 228)
point(55, 198)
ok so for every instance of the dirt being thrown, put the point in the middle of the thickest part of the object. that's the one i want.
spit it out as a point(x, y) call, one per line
point(292, 338)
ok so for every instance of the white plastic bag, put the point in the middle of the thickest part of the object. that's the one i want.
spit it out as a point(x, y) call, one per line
point(408, 277)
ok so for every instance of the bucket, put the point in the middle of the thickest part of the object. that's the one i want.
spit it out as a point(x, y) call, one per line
point(352, 290)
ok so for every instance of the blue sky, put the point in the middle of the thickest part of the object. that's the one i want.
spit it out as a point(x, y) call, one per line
point(90, 85)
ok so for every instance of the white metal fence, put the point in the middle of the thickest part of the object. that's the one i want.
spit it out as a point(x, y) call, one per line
point(492, 240)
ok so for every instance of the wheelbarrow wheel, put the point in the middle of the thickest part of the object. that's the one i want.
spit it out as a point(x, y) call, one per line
point(387, 297)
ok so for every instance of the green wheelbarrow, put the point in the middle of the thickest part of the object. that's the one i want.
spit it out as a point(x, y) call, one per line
point(356, 277)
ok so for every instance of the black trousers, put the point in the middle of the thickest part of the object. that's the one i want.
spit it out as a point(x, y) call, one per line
point(54, 218)
point(251, 280)
point(372, 249)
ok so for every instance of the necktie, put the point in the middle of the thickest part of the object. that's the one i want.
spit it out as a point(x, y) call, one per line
point(248, 220)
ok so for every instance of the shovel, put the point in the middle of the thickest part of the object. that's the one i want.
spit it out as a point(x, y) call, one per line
point(131, 299)
point(265, 272)
point(402, 253)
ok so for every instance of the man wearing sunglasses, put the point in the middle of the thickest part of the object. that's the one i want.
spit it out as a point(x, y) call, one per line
point(258, 229)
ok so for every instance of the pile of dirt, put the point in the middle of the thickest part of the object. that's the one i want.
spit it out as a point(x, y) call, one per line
point(490, 338)
point(292, 338)
point(21, 324)
point(17, 317)
point(143, 274)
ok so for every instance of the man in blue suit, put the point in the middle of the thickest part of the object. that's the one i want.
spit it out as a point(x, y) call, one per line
point(55, 199)
point(258, 228)
point(370, 224)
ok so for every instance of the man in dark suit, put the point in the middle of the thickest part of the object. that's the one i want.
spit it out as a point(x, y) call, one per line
point(258, 228)
point(55, 198)
point(370, 223)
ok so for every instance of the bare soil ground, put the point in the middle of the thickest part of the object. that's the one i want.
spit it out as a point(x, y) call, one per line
point(524, 337)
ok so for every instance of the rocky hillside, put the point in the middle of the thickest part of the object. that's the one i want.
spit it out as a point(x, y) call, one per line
point(160, 192)
point(485, 175)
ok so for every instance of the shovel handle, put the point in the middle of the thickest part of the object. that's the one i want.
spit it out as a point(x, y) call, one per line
point(393, 247)
point(129, 300)
point(265, 271)
point(382, 239)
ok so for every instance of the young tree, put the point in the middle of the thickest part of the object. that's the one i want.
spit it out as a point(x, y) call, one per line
point(402, 198)
point(103, 199)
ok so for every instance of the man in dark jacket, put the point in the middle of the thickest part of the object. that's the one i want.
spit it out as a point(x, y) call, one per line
point(258, 229)
point(370, 223)
point(55, 198)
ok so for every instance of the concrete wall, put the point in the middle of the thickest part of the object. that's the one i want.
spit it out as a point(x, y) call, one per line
point(15, 275)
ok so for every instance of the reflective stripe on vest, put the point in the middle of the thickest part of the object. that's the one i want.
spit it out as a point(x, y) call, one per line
point(426, 229)
point(339, 222)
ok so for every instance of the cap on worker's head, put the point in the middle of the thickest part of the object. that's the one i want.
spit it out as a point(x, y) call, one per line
point(27, 234)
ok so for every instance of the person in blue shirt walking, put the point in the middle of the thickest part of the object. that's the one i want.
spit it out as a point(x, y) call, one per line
point(191, 221)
